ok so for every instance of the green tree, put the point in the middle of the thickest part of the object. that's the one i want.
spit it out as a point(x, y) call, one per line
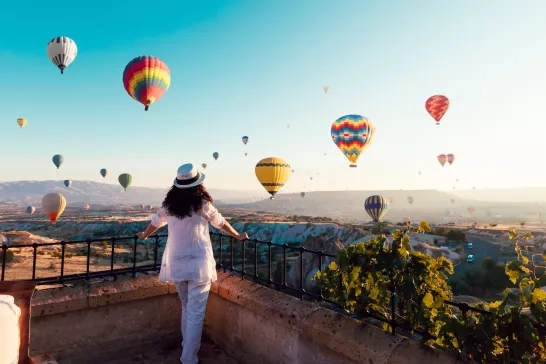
point(457, 236)
point(489, 264)
point(366, 276)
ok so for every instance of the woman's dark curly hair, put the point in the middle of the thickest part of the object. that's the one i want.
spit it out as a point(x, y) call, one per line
point(183, 202)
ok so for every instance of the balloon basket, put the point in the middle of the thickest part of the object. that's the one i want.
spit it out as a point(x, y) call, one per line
point(352, 166)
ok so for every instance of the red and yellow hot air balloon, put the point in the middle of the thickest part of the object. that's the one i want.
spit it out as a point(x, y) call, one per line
point(442, 158)
point(53, 205)
point(146, 79)
point(437, 106)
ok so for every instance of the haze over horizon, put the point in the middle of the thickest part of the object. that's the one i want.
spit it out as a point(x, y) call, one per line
point(241, 67)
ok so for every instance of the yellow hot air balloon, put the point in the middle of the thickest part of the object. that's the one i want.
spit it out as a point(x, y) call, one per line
point(273, 173)
point(22, 122)
point(53, 205)
point(326, 88)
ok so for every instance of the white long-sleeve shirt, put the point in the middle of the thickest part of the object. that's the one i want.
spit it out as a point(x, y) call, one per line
point(188, 254)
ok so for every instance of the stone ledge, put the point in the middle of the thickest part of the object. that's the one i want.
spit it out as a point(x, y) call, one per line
point(56, 299)
point(42, 359)
point(352, 339)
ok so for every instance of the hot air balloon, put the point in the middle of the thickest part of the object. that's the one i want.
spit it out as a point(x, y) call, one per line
point(150, 207)
point(22, 122)
point(437, 106)
point(326, 88)
point(58, 160)
point(204, 165)
point(470, 209)
point(53, 205)
point(146, 79)
point(352, 134)
point(302, 194)
point(245, 139)
point(86, 207)
point(410, 199)
point(125, 180)
point(67, 182)
point(104, 172)
point(311, 178)
point(442, 158)
point(419, 173)
point(407, 220)
point(450, 158)
point(376, 206)
point(288, 126)
point(30, 210)
point(457, 180)
point(141, 207)
point(452, 200)
point(62, 51)
point(246, 154)
point(273, 173)
point(474, 188)
point(215, 155)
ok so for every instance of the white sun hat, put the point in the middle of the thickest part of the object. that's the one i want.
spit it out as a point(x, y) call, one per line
point(187, 176)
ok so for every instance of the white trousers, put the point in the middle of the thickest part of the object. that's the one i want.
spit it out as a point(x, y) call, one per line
point(194, 296)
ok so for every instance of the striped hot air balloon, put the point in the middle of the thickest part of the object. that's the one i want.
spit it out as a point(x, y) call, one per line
point(437, 106)
point(352, 134)
point(22, 122)
point(146, 79)
point(376, 206)
point(62, 51)
point(273, 173)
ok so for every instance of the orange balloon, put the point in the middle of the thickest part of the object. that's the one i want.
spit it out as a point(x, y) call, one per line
point(442, 158)
point(437, 106)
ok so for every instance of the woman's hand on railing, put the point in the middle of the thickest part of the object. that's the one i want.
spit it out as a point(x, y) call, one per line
point(243, 236)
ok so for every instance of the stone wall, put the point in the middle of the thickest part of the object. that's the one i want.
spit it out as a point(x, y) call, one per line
point(251, 323)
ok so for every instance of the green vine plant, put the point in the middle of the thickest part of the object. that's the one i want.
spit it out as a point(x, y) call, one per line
point(408, 290)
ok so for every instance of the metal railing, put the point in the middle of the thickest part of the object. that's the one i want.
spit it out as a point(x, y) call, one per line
point(251, 259)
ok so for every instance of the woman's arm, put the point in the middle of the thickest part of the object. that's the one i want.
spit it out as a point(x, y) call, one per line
point(149, 231)
point(158, 220)
point(228, 229)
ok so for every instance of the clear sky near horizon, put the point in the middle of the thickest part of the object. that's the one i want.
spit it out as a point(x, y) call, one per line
point(246, 67)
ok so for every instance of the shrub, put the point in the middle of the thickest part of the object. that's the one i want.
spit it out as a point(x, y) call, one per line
point(9, 256)
point(409, 288)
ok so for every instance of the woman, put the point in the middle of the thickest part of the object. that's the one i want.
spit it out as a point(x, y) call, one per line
point(188, 260)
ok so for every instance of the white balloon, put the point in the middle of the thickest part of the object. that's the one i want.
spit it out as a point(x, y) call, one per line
point(62, 51)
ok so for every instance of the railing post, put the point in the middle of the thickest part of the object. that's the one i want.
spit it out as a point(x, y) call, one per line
point(156, 251)
point(135, 246)
point(112, 256)
point(34, 253)
point(284, 265)
point(243, 243)
point(302, 289)
point(63, 249)
point(4, 252)
point(88, 267)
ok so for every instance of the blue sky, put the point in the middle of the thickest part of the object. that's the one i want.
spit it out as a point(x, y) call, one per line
point(251, 67)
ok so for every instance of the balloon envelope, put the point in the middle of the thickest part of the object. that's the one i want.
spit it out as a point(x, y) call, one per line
point(442, 158)
point(302, 194)
point(245, 139)
point(352, 134)
point(62, 51)
point(376, 206)
point(146, 79)
point(437, 106)
point(104, 172)
point(125, 180)
point(86, 207)
point(67, 182)
point(30, 210)
point(215, 155)
point(451, 158)
point(204, 165)
point(53, 205)
point(273, 173)
point(22, 122)
point(58, 160)
point(410, 199)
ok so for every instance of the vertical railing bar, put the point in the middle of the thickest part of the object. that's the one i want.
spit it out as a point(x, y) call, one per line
point(320, 253)
point(112, 256)
point(302, 289)
point(4, 253)
point(63, 250)
point(156, 251)
point(135, 246)
point(243, 243)
point(34, 254)
point(255, 259)
point(284, 285)
point(269, 275)
point(232, 268)
point(221, 254)
point(88, 263)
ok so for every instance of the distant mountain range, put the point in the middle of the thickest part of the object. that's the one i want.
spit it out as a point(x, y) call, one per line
point(80, 192)
point(428, 204)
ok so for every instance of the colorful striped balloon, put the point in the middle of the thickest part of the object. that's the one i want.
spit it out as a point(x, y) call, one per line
point(376, 206)
point(352, 134)
point(146, 79)
point(437, 106)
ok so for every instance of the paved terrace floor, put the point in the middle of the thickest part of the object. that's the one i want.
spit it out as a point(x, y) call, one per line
point(209, 354)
